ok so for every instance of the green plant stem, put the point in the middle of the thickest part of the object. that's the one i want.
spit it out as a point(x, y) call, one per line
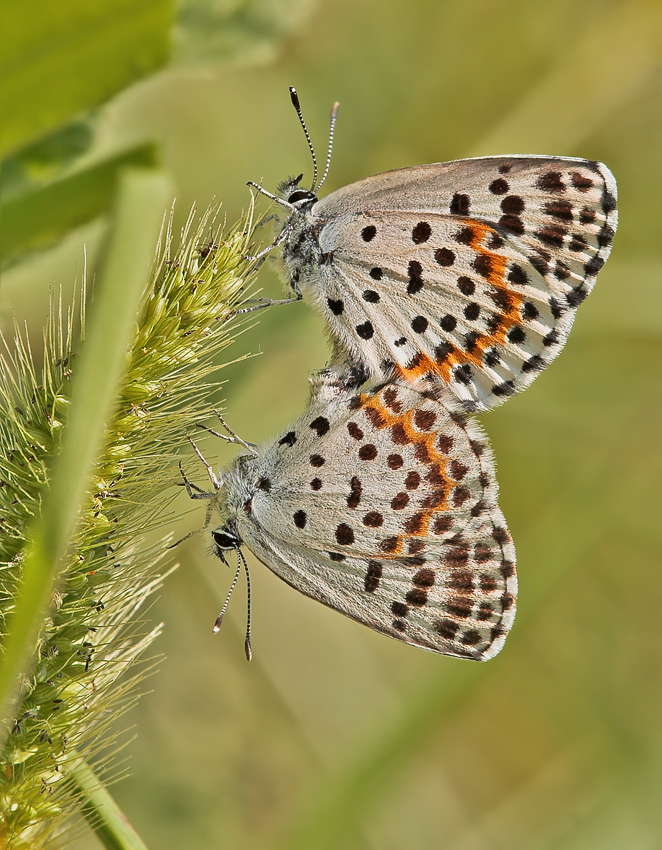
point(101, 811)
point(142, 197)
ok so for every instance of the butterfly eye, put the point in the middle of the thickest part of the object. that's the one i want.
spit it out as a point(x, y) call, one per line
point(224, 540)
point(301, 195)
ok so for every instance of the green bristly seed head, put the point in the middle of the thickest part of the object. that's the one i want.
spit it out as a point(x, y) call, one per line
point(83, 674)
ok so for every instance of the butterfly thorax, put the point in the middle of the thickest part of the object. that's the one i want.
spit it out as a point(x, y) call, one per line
point(244, 501)
point(301, 249)
point(240, 481)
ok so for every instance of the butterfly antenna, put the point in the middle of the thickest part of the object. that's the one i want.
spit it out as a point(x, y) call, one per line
point(219, 619)
point(295, 102)
point(247, 643)
point(334, 115)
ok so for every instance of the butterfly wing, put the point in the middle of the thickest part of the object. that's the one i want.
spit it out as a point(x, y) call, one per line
point(467, 273)
point(382, 505)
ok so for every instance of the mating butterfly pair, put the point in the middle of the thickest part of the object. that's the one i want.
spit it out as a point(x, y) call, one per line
point(446, 288)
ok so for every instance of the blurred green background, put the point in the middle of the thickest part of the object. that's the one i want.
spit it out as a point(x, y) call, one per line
point(334, 736)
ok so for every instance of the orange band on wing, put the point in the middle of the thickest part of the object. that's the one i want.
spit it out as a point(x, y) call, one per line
point(445, 492)
point(492, 268)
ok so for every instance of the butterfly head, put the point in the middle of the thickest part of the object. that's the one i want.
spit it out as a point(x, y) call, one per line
point(290, 190)
point(225, 538)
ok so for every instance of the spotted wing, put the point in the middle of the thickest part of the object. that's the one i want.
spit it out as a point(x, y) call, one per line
point(466, 273)
point(383, 506)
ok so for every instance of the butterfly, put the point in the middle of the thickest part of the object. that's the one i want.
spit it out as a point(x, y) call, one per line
point(381, 504)
point(465, 275)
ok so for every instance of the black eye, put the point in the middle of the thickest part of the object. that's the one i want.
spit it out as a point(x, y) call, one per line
point(224, 540)
point(300, 195)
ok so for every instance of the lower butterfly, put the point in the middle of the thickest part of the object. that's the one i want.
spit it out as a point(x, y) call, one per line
point(383, 506)
point(464, 274)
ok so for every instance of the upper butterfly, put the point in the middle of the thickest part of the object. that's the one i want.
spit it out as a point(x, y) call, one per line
point(467, 273)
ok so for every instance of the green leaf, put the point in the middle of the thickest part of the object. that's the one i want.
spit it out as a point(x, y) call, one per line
point(39, 217)
point(62, 58)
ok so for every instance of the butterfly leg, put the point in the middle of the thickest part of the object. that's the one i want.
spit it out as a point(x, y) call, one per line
point(199, 494)
point(192, 486)
point(282, 236)
point(259, 303)
point(275, 198)
point(217, 482)
point(232, 438)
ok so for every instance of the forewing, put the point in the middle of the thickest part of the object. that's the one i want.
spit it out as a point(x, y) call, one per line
point(478, 187)
point(383, 506)
point(467, 273)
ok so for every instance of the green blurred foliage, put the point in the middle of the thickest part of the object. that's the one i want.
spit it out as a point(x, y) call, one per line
point(61, 58)
point(37, 164)
point(334, 734)
point(32, 219)
point(247, 32)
